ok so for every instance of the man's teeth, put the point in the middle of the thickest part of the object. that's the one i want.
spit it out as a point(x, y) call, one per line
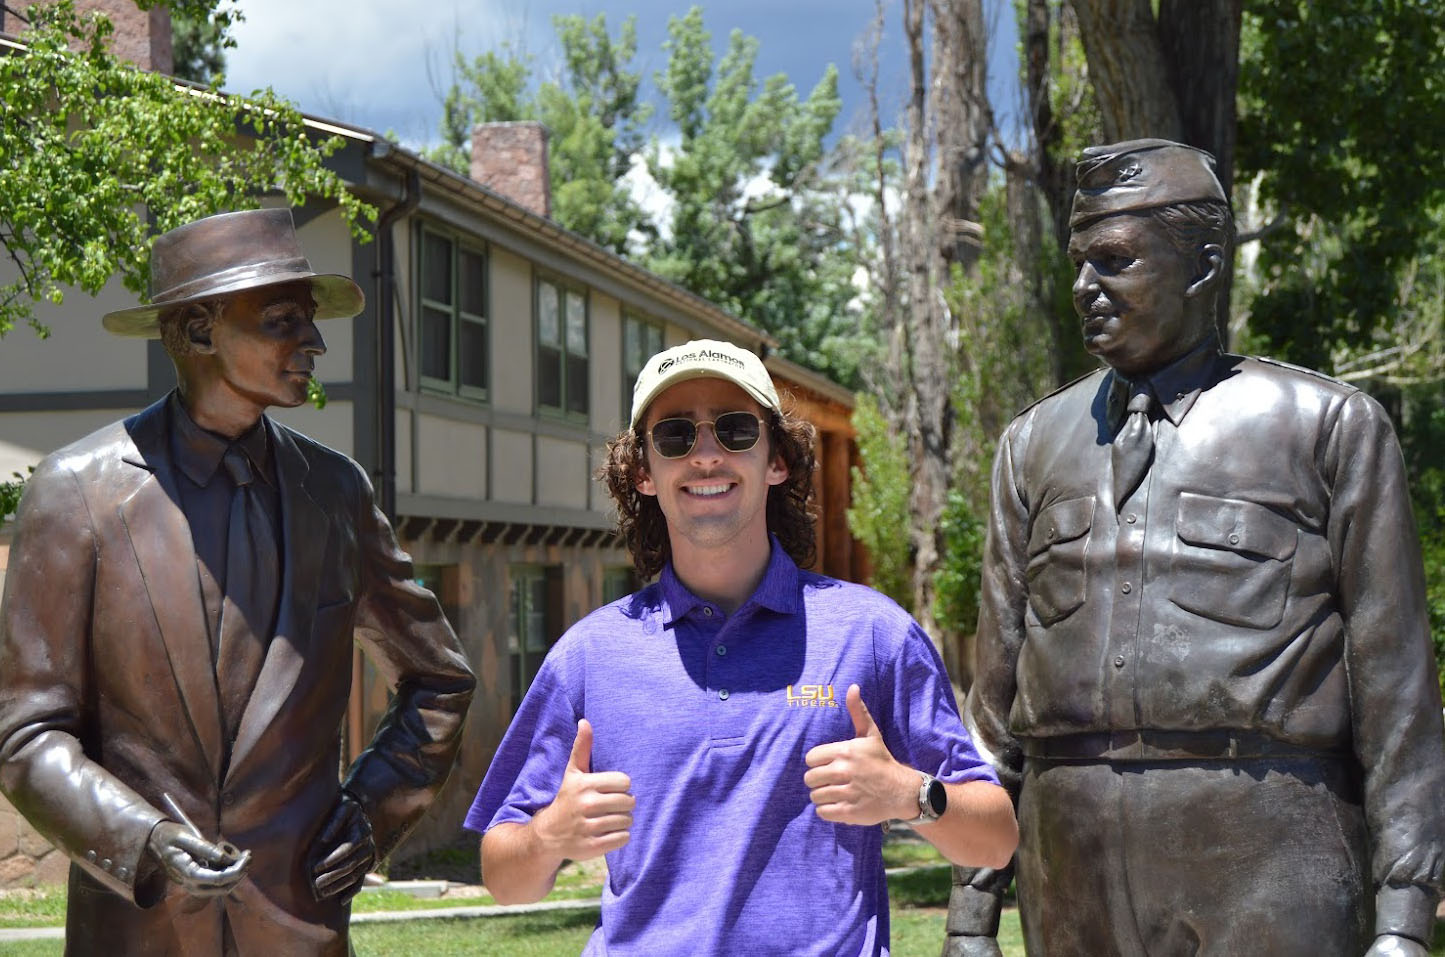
point(708, 489)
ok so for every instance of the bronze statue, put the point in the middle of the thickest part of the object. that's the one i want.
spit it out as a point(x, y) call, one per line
point(1204, 661)
point(175, 638)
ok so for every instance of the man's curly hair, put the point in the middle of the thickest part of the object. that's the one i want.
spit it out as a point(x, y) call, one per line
point(642, 526)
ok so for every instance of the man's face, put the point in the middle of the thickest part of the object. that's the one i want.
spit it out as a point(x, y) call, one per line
point(1130, 292)
point(710, 497)
point(266, 343)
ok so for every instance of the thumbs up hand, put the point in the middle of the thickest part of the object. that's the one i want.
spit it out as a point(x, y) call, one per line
point(857, 781)
point(592, 813)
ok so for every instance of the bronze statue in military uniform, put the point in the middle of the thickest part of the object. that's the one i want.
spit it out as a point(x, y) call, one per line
point(1204, 661)
point(176, 633)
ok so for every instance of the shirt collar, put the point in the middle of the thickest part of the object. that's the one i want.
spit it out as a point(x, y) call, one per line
point(1176, 386)
point(198, 452)
point(778, 590)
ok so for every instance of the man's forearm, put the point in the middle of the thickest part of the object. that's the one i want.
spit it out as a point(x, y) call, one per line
point(978, 829)
point(516, 868)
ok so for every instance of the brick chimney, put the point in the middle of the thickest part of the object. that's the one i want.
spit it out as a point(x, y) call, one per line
point(142, 37)
point(511, 159)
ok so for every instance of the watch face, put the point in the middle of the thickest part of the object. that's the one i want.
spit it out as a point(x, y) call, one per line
point(937, 797)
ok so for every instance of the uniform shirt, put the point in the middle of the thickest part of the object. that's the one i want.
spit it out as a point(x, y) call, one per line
point(711, 715)
point(1263, 578)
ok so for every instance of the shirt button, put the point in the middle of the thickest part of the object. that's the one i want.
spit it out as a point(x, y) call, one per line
point(1126, 588)
point(1118, 661)
point(722, 650)
point(723, 694)
point(707, 611)
point(1132, 519)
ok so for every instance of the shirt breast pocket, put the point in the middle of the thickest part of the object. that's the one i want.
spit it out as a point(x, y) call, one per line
point(1057, 542)
point(1232, 561)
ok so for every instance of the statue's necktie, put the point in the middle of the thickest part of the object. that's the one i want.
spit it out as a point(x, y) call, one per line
point(1133, 446)
point(248, 611)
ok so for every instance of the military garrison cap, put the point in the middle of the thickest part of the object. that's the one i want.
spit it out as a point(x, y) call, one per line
point(1141, 174)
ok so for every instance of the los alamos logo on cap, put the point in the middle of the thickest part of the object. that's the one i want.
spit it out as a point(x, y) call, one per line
point(698, 356)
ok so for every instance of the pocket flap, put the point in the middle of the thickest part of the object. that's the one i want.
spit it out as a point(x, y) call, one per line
point(1061, 522)
point(1238, 526)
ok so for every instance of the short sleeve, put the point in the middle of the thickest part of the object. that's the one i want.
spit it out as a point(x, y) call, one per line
point(925, 731)
point(527, 770)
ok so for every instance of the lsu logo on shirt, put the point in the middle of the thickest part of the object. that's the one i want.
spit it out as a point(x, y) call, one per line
point(811, 696)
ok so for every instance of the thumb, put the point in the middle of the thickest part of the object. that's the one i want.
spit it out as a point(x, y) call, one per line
point(581, 757)
point(863, 724)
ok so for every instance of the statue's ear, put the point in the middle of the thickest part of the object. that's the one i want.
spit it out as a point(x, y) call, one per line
point(1208, 270)
point(199, 324)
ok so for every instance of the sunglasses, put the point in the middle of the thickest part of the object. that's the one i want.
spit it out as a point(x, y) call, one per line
point(735, 431)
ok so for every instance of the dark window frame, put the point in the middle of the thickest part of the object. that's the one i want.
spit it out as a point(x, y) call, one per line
point(629, 376)
point(458, 316)
point(563, 409)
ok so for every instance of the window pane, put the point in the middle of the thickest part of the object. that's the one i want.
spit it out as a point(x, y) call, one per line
point(536, 626)
point(436, 256)
point(654, 344)
point(436, 343)
point(472, 354)
point(548, 327)
point(549, 377)
point(576, 324)
point(473, 287)
point(576, 383)
point(632, 332)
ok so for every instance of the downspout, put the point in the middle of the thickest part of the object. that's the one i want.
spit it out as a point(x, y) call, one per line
point(384, 404)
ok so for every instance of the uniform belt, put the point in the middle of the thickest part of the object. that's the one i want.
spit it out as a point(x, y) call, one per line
point(1166, 746)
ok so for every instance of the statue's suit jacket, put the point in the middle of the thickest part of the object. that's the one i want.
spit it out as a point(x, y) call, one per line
point(108, 696)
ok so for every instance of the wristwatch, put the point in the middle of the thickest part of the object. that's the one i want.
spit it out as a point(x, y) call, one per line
point(932, 800)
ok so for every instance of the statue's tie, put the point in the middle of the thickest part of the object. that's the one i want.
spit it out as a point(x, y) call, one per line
point(248, 611)
point(1133, 447)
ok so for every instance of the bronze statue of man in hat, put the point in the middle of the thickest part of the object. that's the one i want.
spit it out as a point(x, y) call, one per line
point(182, 597)
point(1204, 660)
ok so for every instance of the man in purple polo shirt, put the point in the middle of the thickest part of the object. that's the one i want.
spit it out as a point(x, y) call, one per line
point(732, 735)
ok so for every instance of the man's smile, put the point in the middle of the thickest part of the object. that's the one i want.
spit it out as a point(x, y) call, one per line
point(709, 490)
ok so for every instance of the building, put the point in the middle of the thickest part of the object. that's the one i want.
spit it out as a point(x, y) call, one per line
point(494, 359)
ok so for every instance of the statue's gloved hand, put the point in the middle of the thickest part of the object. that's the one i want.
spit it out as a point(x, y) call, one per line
point(972, 947)
point(199, 867)
point(343, 851)
point(1391, 945)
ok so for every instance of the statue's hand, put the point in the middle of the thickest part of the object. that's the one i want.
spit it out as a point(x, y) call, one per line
point(1391, 945)
point(199, 867)
point(971, 947)
point(343, 851)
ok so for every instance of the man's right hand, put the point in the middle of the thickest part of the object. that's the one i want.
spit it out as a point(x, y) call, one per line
point(592, 813)
point(200, 868)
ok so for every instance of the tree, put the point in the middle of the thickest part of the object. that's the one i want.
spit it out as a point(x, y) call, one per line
point(96, 157)
point(199, 42)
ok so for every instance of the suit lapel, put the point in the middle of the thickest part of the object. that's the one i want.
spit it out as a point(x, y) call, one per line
point(161, 540)
point(304, 526)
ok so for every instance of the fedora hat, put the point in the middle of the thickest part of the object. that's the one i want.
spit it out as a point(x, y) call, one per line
point(226, 254)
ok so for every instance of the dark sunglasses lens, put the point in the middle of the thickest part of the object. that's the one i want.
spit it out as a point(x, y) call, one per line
point(673, 438)
point(736, 431)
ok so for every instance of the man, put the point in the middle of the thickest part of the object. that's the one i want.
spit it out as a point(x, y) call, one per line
point(175, 640)
point(1204, 662)
point(731, 735)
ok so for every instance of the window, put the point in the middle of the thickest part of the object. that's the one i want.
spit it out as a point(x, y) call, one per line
point(534, 623)
point(453, 316)
point(618, 582)
point(641, 340)
point(561, 349)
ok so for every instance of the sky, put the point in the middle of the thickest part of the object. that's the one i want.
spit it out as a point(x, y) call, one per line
point(385, 66)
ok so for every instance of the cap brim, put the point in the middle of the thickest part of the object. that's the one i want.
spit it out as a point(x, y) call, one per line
point(337, 297)
point(666, 382)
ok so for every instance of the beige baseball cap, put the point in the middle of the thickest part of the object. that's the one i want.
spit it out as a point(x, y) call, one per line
point(703, 359)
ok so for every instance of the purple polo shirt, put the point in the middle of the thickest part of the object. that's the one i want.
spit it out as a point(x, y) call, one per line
point(711, 716)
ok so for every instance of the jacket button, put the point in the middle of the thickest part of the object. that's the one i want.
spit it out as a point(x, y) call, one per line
point(1234, 539)
point(90, 856)
point(1132, 519)
point(122, 872)
point(1126, 588)
point(1118, 661)
point(105, 864)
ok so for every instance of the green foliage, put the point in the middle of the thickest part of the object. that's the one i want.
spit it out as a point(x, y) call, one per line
point(97, 156)
point(878, 516)
point(10, 493)
point(199, 41)
point(490, 89)
point(1338, 119)
point(959, 575)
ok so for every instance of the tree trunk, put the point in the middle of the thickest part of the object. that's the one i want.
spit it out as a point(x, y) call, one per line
point(1126, 63)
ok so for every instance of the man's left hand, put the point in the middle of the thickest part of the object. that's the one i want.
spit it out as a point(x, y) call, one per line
point(343, 851)
point(857, 781)
point(1389, 945)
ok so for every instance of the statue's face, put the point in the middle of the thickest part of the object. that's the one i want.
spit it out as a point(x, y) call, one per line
point(266, 343)
point(1131, 291)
